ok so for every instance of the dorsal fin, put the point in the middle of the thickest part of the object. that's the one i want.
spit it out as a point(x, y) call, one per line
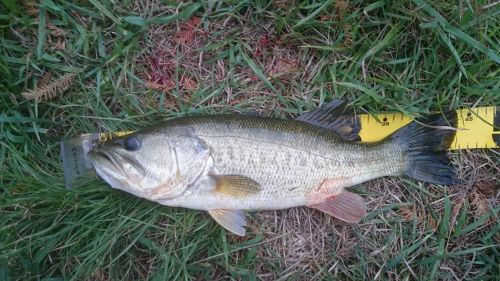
point(333, 116)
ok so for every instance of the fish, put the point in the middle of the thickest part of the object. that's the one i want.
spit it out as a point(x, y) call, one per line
point(227, 164)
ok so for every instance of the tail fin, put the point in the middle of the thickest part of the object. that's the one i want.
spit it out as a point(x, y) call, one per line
point(426, 148)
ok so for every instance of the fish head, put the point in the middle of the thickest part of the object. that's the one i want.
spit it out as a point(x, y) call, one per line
point(156, 164)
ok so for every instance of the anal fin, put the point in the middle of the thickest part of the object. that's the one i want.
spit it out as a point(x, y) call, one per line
point(346, 206)
point(232, 220)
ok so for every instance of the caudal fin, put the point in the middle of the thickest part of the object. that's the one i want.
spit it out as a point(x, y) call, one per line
point(425, 144)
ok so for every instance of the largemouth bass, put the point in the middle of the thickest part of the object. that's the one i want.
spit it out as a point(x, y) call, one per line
point(225, 164)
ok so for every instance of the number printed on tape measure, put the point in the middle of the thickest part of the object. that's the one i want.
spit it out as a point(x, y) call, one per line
point(385, 122)
point(469, 117)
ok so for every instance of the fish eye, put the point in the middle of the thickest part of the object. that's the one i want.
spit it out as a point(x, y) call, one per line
point(132, 143)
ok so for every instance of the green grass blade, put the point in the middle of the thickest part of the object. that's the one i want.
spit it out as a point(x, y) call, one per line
point(458, 253)
point(388, 39)
point(431, 11)
point(405, 252)
point(480, 221)
point(459, 34)
point(313, 14)
point(371, 93)
point(257, 70)
point(42, 32)
point(452, 49)
point(184, 14)
point(12, 5)
point(135, 20)
point(105, 11)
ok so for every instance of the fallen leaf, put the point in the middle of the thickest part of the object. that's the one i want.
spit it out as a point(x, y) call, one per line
point(189, 84)
point(165, 88)
point(60, 44)
point(285, 66)
point(187, 31)
point(56, 31)
point(285, 4)
point(406, 213)
point(479, 203)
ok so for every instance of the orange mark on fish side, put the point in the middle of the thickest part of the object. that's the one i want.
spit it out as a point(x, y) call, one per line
point(327, 188)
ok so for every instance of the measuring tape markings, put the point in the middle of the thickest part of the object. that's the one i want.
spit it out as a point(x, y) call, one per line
point(477, 128)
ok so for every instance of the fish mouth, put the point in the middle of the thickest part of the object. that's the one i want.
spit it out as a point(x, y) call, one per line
point(115, 167)
point(105, 160)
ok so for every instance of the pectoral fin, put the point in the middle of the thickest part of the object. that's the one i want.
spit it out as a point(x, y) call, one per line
point(333, 116)
point(232, 220)
point(236, 185)
point(346, 206)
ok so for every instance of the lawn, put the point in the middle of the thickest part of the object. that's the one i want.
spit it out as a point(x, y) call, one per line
point(75, 67)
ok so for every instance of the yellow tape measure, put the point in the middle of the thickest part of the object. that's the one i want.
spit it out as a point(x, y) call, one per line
point(477, 127)
point(107, 136)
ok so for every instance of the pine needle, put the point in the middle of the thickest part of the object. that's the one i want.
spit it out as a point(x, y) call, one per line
point(46, 90)
point(45, 79)
point(348, 40)
point(342, 7)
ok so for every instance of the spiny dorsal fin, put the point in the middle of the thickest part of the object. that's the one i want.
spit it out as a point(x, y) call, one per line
point(333, 116)
point(346, 206)
point(232, 220)
point(236, 185)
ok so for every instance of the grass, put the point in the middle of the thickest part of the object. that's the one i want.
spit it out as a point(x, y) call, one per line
point(139, 62)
